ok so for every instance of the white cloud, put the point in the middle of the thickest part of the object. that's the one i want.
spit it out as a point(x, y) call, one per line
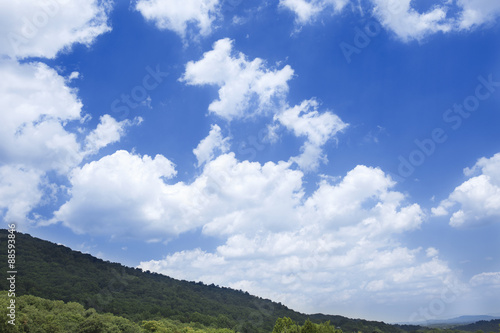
point(169, 14)
point(307, 10)
point(335, 248)
point(31, 28)
point(117, 190)
point(400, 17)
point(489, 279)
point(207, 147)
point(227, 196)
point(305, 120)
point(431, 252)
point(247, 87)
point(35, 110)
point(478, 198)
point(35, 105)
point(108, 131)
point(304, 10)
point(247, 196)
point(20, 192)
point(478, 12)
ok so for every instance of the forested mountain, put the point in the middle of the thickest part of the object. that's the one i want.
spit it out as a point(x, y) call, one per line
point(56, 272)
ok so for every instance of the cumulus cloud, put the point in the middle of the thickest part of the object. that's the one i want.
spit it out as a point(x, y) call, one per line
point(168, 14)
point(402, 18)
point(33, 28)
point(406, 22)
point(35, 110)
point(478, 12)
point(339, 241)
point(115, 191)
point(477, 200)
point(213, 143)
point(305, 120)
point(20, 192)
point(35, 105)
point(108, 131)
point(227, 196)
point(307, 10)
point(246, 88)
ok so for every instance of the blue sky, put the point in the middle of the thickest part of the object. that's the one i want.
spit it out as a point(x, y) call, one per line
point(336, 156)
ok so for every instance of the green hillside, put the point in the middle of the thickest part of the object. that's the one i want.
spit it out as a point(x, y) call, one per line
point(35, 314)
point(56, 272)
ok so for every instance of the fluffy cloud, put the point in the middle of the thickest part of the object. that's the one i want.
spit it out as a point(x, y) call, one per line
point(227, 196)
point(35, 105)
point(247, 87)
point(20, 192)
point(305, 120)
point(395, 15)
point(108, 131)
point(306, 10)
point(207, 147)
point(336, 248)
point(35, 109)
point(33, 28)
point(168, 14)
point(478, 12)
point(117, 190)
point(406, 22)
point(401, 17)
point(478, 198)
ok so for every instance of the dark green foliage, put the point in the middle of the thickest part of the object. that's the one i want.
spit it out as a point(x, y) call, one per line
point(286, 325)
point(309, 327)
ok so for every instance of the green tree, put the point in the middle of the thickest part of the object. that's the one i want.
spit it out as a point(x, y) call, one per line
point(154, 326)
point(327, 328)
point(309, 327)
point(285, 325)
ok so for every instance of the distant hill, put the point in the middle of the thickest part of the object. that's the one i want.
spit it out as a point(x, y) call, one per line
point(56, 272)
point(455, 322)
point(483, 325)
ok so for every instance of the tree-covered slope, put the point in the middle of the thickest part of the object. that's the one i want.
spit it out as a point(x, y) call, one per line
point(38, 315)
point(56, 272)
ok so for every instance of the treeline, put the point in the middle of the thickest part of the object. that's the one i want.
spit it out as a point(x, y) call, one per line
point(38, 315)
point(56, 272)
